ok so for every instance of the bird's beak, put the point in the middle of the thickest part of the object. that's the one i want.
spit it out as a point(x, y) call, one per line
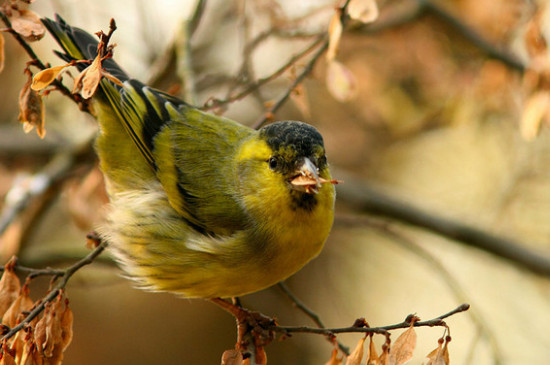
point(307, 179)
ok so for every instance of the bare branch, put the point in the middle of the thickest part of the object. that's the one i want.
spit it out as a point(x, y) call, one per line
point(473, 36)
point(65, 276)
point(437, 321)
point(400, 238)
point(52, 174)
point(211, 104)
point(311, 314)
point(368, 200)
point(298, 80)
point(83, 104)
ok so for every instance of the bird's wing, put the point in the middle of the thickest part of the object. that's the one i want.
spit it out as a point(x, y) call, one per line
point(190, 152)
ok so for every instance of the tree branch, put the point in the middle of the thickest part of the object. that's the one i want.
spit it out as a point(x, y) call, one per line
point(55, 171)
point(215, 103)
point(83, 104)
point(268, 115)
point(365, 199)
point(437, 321)
point(311, 314)
point(65, 275)
point(398, 237)
point(474, 37)
point(412, 11)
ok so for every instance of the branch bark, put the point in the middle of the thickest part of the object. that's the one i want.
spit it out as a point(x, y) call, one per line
point(365, 199)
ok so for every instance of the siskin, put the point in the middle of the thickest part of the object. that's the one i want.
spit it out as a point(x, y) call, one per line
point(201, 205)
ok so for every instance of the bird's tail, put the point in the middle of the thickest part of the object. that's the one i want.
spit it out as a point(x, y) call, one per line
point(79, 45)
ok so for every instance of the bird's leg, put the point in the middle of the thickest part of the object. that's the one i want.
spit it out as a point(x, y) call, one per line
point(253, 329)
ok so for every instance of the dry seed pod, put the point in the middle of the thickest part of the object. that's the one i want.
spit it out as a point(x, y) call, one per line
point(22, 303)
point(9, 287)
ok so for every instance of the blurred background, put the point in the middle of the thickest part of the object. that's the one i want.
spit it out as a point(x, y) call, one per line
point(442, 106)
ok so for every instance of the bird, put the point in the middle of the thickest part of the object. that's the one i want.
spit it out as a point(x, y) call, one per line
point(200, 205)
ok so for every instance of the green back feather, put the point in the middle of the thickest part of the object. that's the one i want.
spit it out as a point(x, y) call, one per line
point(190, 152)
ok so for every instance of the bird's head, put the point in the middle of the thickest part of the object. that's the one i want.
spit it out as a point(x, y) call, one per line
point(287, 160)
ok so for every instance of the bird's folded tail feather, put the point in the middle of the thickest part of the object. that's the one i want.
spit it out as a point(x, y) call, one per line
point(139, 108)
point(79, 45)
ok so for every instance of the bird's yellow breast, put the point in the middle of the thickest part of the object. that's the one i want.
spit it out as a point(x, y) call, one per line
point(162, 253)
point(293, 234)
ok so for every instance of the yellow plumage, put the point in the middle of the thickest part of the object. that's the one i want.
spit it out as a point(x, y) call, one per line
point(201, 205)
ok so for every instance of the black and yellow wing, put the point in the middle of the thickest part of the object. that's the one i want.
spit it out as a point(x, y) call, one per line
point(190, 152)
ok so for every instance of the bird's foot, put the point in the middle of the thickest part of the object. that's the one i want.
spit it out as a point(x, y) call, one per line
point(254, 330)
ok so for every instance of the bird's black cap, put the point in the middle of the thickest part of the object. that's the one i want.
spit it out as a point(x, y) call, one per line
point(302, 137)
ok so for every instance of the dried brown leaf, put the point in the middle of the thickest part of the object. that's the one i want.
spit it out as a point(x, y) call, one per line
point(7, 356)
point(232, 357)
point(357, 355)
point(40, 329)
point(536, 108)
point(439, 356)
point(2, 53)
point(335, 33)
point(54, 332)
point(384, 358)
point(18, 344)
point(31, 109)
point(27, 24)
point(91, 79)
point(31, 354)
point(66, 323)
point(341, 82)
point(9, 287)
point(403, 348)
point(334, 358)
point(372, 358)
point(45, 77)
point(22, 303)
point(366, 11)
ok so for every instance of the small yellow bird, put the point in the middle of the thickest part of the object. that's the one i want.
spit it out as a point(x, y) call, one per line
point(201, 205)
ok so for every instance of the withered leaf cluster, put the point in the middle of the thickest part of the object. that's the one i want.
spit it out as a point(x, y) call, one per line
point(31, 108)
point(44, 339)
point(24, 22)
point(28, 26)
point(396, 353)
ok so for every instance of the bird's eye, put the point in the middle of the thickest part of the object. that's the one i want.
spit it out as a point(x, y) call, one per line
point(273, 163)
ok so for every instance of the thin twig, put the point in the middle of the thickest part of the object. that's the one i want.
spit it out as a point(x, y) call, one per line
point(311, 314)
point(36, 272)
point(211, 104)
point(409, 12)
point(83, 104)
point(20, 196)
point(52, 174)
point(473, 36)
point(298, 80)
point(437, 321)
point(184, 54)
point(442, 272)
point(300, 305)
point(268, 115)
point(364, 198)
point(64, 279)
point(22, 41)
